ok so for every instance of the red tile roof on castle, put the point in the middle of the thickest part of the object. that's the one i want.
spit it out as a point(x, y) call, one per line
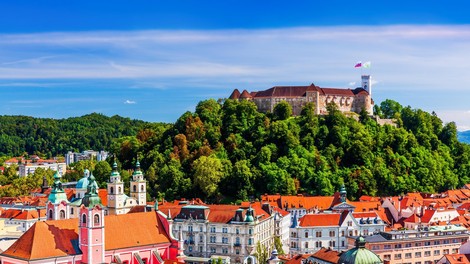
point(59, 238)
point(297, 91)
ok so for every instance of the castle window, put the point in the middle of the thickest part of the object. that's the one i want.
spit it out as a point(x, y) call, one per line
point(50, 214)
point(96, 219)
point(111, 190)
point(84, 219)
point(62, 214)
point(135, 188)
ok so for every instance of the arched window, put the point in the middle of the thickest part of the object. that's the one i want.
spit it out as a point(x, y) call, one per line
point(84, 218)
point(141, 188)
point(306, 234)
point(62, 214)
point(135, 188)
point(119, 190)
point(96, 219)
point(111, 190)
point(50, 214)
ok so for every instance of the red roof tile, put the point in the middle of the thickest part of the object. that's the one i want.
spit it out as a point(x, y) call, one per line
point(320, 220)
point(327, 254)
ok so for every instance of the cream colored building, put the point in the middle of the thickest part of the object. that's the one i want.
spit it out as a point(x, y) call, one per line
point(424, 246)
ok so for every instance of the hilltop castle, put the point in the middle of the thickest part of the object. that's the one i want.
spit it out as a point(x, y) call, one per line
point(347, 100)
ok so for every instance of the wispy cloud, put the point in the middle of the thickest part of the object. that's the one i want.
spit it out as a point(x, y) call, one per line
point(129, 102)
point(428, 59)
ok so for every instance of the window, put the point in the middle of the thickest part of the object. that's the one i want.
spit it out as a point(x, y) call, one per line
point(342, 233)
point(71, 210)
point(397, 256)
point(318, 234)
point(407, 245)
point(437, 252)
point(397, 245)
point(224, 250)
point(201, 238)
point(111, 190)
point(212, 239)
point(213, 230)
point(427, 253)
point(318, 244)
point(306, 234)
point(190, 248)
point(190, 228)
point(417, 254)
point(213, 250)
point(237, 231)
point(408, 255)
point(250, 231)
point(62, 214)
point(119, 190)
point(96, 219)
point(50, 214)
point(141, 188)
point(250, 241)
point(237, 251)
point(237, 241)
point(224, 240)
point(427, 243)
point(84, 218)
point(200, 248)
point(135, 188)
point(224, 230)
point(332, 243)
point(332, 233)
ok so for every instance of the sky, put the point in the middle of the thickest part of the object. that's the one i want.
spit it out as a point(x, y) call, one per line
point(155, 60)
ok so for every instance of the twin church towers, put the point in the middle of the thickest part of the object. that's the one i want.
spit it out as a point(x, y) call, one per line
point(59, 207)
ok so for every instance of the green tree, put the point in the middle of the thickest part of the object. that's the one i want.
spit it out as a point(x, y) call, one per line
point(282, 111)
point(207, 173)
point(278, 245)
point(102, 172)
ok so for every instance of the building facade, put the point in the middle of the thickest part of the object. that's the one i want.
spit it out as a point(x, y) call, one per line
point(426, 246)
point(226, 230)
point(347, 100)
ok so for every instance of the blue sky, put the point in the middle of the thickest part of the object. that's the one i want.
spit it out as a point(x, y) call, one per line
point(154, 60)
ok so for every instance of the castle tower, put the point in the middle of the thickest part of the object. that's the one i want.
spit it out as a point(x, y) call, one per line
point(91, 226)
point(366, 83)
point(139, 186)
point(82, 184)
point(116, 195)
point(58, 207)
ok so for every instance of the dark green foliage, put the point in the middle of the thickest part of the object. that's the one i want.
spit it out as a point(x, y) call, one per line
point(51, 137)
point(231, 151)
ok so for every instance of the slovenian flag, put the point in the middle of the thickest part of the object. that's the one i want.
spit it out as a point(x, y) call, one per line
point(358, 64)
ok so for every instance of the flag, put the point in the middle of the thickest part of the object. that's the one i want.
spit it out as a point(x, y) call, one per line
point(358, 65)
point(366, 64)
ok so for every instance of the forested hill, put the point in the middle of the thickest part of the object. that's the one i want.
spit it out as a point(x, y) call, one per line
point(50, 137)
point(231, 150)
point(464, 136)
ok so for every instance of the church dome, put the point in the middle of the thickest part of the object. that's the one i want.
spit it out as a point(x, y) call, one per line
point(83, 182)
point(359, 255)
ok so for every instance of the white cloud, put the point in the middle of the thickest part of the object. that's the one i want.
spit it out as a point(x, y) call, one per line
point(423, 59)
point(129, 102)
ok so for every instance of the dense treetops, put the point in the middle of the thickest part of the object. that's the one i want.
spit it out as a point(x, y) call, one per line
point(229, 150)
point(52, 137)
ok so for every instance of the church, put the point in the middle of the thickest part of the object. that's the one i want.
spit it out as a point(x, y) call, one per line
point(347, 100)
point(83, 233)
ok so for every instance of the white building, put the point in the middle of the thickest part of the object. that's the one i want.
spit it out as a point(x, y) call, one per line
point(26, 168)
point(330, 229)
point(226, 230)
